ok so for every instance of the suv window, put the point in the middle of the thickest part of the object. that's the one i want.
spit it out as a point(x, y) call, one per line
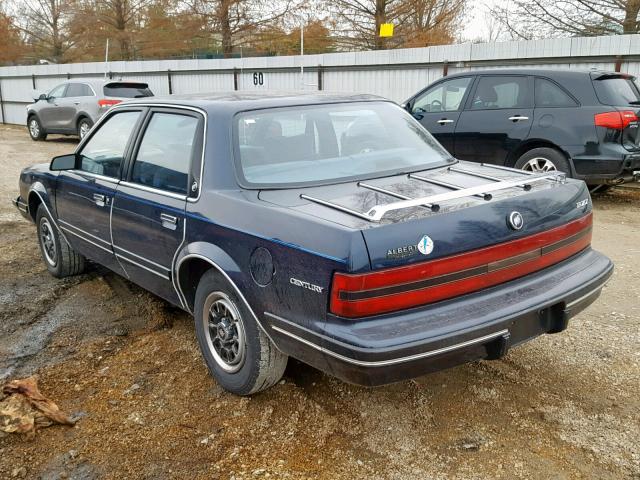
point(165, 152)
point(58, 91)
point(127, 90)
point(501, 92)
point(104, 152)
point(78, 90)
point(445, 97)
point(617, 90)
point(548, 94)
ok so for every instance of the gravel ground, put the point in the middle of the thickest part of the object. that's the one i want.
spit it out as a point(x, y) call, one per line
point(561, 407)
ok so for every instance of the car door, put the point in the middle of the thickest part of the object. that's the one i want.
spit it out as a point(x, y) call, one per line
point(84, 195)
point(69, 105)
point(438, 108)
point(148, 221)
point(49, 113)
point(496, 119)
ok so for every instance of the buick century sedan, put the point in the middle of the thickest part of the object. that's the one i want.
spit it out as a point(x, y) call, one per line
point(329, 228)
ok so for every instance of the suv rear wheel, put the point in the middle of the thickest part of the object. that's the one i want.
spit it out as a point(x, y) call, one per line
point(61, 260)
point(237, 352)
point(36, 132)
point(542, 160)
point(84, 125)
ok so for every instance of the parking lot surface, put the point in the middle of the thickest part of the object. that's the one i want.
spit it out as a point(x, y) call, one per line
point(127, 364)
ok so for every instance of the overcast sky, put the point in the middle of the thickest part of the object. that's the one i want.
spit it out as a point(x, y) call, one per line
point(474, 25)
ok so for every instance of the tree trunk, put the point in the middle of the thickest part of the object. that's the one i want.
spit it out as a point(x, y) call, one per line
point(225, 28)
point(381, 17)
point(630, 22)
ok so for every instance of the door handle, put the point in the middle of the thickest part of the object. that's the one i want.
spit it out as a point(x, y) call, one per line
point(168, 221)
point(76, 103)
point(517, 118)
point(444, 121)
point(99, 199)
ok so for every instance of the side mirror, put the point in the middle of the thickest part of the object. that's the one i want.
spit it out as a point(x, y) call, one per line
point(408, 106)
point(37, 96)
point(64, 162)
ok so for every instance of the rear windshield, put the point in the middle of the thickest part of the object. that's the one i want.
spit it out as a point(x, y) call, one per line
point(127, 90)
point(312, 145)
point(617, 91)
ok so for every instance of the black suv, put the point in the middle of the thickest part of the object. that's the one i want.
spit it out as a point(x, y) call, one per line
point(581, 122)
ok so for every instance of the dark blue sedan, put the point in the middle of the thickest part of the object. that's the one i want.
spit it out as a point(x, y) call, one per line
point(333, 229)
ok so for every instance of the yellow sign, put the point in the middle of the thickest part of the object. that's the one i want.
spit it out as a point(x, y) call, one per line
point(386, 30)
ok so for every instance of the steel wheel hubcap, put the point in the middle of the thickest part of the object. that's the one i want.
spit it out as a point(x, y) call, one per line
point(48, 242)
point(539, 165)
point(34, 128)
point(224, 332)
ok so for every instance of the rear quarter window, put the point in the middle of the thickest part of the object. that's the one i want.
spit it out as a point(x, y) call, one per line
point(548, 94)
point(127, 90)
point(617, 90)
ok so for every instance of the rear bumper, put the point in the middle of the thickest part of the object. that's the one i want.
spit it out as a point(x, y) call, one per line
point(612, 168)
point(483, 325)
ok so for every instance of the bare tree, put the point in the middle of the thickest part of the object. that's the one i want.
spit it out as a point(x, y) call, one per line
point(46, 27)
point(359, 21)
point(12, 47)
point(429, 22)
point(526, 19)
point(237, 20)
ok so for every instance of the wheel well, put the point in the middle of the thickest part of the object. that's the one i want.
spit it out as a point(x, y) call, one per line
point(80, 118)
point(530, 145)
point(34, 203)
point(189, 275)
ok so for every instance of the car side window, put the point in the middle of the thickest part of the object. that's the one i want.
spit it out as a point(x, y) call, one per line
point(501, 92)
point(104, 153)
point(58, 91)
point(164, 156)
point(78, 90)
point(444, 97)
point(548, 94)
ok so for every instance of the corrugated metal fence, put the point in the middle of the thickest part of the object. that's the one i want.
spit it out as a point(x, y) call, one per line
point(394, 74)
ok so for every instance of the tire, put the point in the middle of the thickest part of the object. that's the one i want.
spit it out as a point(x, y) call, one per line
point(540, 160)
point(61, 260)
point(36, 132)
point(84, 125)
point(247, 361)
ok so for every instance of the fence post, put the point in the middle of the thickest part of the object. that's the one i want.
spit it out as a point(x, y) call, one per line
point(169, 81)
point(445, 68)
point(68, 76)
point(2, 103)
point(618, 64)
point(235, 79)
point(320, 75)
point(33, 80)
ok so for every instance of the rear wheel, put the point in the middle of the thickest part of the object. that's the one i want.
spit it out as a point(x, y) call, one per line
point(543, 160)
point(237, 352)
point(61, 260)
point(84, 125)
point(36, 132)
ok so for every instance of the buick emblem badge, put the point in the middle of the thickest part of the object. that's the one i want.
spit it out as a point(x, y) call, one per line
point(515, 221)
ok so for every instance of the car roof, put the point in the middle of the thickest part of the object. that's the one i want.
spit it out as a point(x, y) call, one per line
point(545, 72)
point(99, 81)
point(240, 101)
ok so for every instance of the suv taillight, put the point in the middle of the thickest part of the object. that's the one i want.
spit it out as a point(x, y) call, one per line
point(399, 288)
point(104, 103)
point(615, 120)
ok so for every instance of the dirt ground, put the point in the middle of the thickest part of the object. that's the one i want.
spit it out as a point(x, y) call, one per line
point(127, 365)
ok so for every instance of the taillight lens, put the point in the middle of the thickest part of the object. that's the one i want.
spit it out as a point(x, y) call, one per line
point(104, 103)
point(392, 289)
point(615, 120)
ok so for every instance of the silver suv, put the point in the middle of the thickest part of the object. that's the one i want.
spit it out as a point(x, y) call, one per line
point(72, 107)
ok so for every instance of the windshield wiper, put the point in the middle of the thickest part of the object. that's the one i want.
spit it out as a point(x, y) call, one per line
point(634, 102)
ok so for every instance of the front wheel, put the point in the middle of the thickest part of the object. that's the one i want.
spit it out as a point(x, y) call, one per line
point(543, 160)
point(237, 352)
point(36, 132)
point(61, 260)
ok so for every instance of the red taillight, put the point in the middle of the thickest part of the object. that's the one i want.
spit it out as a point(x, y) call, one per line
point(108, 103)
point(615, 120)
point(399, 288)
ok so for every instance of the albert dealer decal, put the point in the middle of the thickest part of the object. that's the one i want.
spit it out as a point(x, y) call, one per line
point(425, 247)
